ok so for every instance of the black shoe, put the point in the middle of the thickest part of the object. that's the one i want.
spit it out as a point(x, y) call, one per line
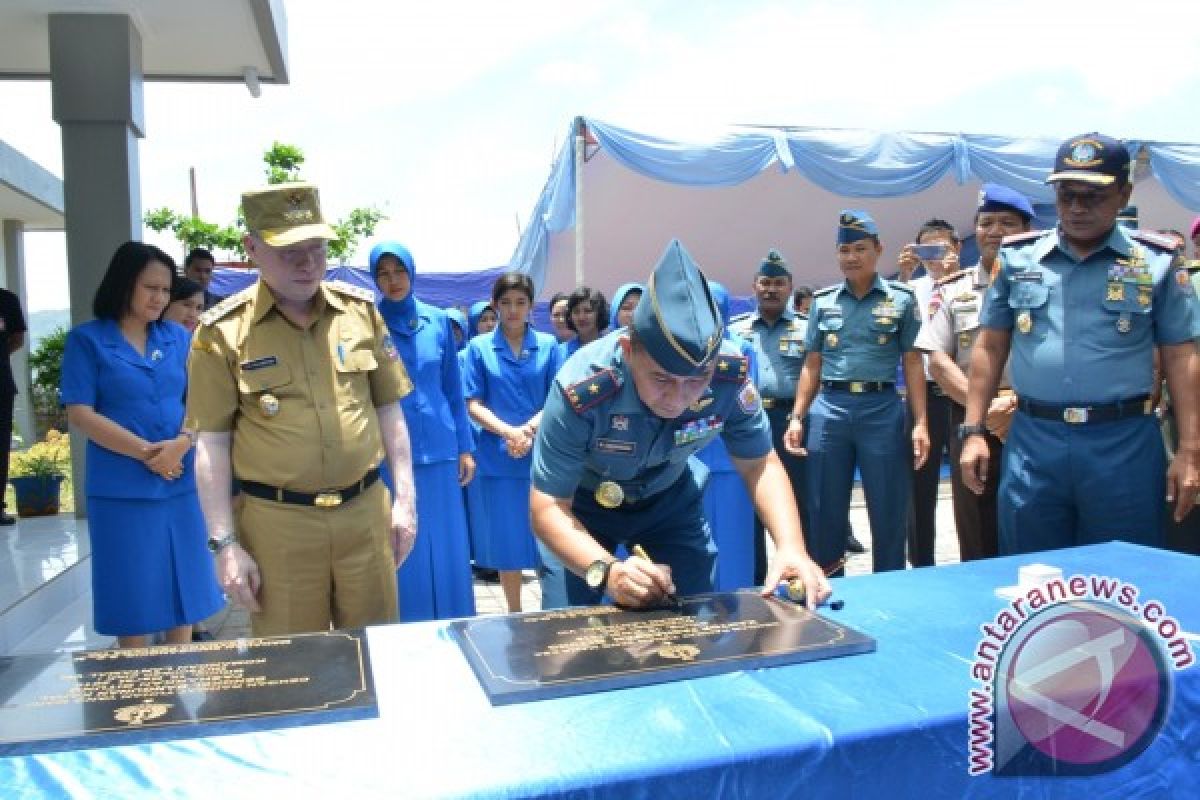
point(7, 519)
point(486, 575)
point(853, 545)
point(201, 636)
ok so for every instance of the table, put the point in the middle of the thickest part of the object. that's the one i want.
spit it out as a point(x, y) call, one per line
point(890, 723)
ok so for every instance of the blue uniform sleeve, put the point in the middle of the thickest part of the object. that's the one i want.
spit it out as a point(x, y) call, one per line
point(561, 447)
point(1175, 312)
point(453, 389)
point(996, 312)
point(79, 370)
point(747, 431)
point(751, 359)
point(812, 332)
point(910, 324)
point(474, 375)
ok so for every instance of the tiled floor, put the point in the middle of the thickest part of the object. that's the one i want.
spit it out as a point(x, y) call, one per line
point(36, 549)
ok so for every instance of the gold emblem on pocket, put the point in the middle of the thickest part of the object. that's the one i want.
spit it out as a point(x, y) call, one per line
point(1024, 322)
point(610, 494)
point(268, 404)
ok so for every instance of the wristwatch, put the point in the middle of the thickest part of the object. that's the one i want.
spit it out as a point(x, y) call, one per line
point(219, 544)
point(597, 574)
point(971, 430)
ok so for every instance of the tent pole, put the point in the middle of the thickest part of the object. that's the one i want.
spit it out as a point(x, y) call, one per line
point(580, 144)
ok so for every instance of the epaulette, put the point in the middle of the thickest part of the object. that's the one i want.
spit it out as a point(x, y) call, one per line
point(225, 306)
point(592, 390)
point(731, 368)
point(354, 291)
point(826, 290)
point(951, 278)
point(901, 285)
point(743, 317)
point(1026, 236)
point(1153, 237)
point(1193, 265)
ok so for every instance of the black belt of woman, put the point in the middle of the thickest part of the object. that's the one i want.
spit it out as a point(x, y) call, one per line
point(326, 498)
point(858, 387)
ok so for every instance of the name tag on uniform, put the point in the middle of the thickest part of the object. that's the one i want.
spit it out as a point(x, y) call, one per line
point(1032, 277)
point(616, 447)
point(259, 363)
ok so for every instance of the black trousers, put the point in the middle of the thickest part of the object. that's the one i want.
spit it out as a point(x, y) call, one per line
point(6, 427)
point(975, 515)
point(922, 511)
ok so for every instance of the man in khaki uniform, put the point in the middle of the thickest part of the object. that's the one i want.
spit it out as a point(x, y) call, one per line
point(948, 336)
point(293, 390)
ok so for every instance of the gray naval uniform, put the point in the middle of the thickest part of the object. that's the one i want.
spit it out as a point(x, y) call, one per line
point(595, 430)
point(952, 328)
point(779, 356)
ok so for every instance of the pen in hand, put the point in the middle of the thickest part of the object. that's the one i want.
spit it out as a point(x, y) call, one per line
point(640, 552)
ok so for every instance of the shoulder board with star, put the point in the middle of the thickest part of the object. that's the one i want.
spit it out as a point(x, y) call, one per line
point(742, 320)
point(952, 277)
point(358, 292)
point(731, 368)
point(592, 390)
point(1193, 265)
point(902, 286)
point(1154, 239)
point(826, 290)
point(225, 306)
point(1022, 238)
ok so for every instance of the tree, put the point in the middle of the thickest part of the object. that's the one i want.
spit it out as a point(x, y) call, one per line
point(45, 364)
point(283, 166)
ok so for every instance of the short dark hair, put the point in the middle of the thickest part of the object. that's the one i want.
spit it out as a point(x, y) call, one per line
point(116, 287)
point(558, 296)
point(592, 297)
point(183, 287)
point(802, 291)
point(198, 252)
point(935, 225)
point(510, 281)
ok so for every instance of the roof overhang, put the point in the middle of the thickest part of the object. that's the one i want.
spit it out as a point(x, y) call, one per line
point(28, 193)
point(204, 41)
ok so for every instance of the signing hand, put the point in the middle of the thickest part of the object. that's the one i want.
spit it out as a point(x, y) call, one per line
point(638, 583)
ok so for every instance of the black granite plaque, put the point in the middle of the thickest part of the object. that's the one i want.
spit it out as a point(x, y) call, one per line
point(97, 698)
point(546, 654)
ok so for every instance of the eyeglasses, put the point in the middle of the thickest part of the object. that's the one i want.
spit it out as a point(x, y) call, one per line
point(299, 256)
point(1088, 200)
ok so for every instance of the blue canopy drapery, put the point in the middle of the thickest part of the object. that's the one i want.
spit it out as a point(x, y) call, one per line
point(851, 163)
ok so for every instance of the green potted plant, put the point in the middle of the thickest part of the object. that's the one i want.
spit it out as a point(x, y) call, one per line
point(37, 474)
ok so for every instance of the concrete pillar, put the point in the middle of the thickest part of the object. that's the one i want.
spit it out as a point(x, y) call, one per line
point(96, 74)
point(12, 254)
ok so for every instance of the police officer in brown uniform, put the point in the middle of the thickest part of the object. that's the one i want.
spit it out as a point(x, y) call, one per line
point(293, 388)
point(948, 336)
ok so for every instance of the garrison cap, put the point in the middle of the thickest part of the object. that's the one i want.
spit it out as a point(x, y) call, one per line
point(285, 214)
point(773, 266)
point(677, 319)
point(994, 197)
point(854, 224)
point(1092, 158)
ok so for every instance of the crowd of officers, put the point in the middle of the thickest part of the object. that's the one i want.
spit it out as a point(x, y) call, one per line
point(1037, 370)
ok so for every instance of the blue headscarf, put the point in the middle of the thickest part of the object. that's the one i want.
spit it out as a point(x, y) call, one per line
point(457, 317)
point(618, 298)
point(473, 315)
point(400, 315)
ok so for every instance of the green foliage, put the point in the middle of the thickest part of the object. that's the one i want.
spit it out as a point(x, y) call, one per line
point(45, 364)
point(360, 224)
point(283, 163)
point(194, 232)
point(49, 457)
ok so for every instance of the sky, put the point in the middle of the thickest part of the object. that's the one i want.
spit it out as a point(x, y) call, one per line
point(447, 116)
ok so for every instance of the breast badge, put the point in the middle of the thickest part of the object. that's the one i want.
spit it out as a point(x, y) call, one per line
point(610, 494)
point(1024, 322)
point(268, 404)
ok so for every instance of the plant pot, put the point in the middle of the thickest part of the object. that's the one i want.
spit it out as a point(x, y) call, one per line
point(37, 495)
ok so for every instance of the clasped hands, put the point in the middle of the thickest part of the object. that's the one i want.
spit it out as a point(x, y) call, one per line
point(165, 458)
point(519, 440)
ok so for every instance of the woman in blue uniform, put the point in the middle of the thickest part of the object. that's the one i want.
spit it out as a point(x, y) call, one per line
point(623, 303)
point(858, 331)
point(124, 376)
point(587, 317)
point(507, 374)
point(727, 506)
point(435, 579)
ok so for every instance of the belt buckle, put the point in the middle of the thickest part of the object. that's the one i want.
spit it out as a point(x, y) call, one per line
point(1075, 415)
point(327, 499)
point(768, 402)
point(857, 387)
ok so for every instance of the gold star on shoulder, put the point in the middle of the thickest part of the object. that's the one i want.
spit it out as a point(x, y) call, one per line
point(594, 389)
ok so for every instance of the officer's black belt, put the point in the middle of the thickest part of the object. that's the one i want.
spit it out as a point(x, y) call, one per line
point(1087, 414)
point(327, 498)
point(770, 403)
point(858, 387)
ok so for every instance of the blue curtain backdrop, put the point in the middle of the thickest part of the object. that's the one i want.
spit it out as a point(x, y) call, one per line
point(852, 163)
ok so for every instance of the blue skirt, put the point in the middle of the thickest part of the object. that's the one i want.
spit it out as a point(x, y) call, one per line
point(730, 515)
point(151, 569)
point(435, 579)
point(501, 537)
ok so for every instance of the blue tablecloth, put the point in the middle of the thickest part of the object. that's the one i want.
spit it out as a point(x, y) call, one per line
point(887, 724)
